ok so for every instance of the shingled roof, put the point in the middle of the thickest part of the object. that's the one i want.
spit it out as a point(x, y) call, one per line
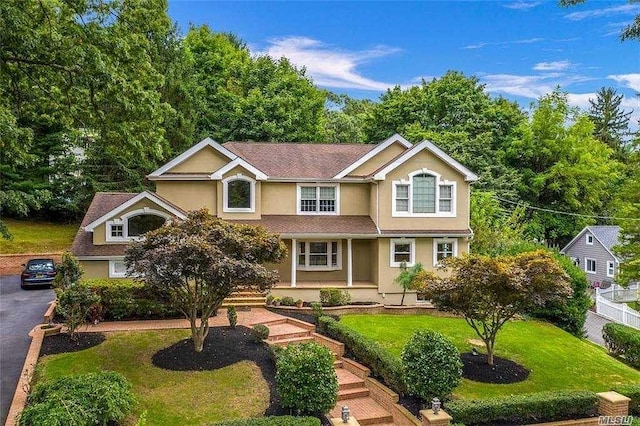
point(607, 235)
point(299, 160)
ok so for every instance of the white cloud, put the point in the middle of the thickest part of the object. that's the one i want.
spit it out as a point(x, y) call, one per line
point(504, 43)
point(631, 81)
point(522, 5)
point(626, 9)
point(327, 65)
point(580, 100)
point(529, 86)
point(553, 66)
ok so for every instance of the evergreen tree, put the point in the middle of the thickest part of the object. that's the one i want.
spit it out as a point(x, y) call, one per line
point(610, 120)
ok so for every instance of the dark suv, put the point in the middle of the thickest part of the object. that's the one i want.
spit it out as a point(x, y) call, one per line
point(38, 272)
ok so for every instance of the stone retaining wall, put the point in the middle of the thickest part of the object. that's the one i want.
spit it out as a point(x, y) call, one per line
point(11, 264)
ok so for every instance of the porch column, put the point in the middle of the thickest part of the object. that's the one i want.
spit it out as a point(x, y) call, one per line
point(294, 257)
point(349, 264)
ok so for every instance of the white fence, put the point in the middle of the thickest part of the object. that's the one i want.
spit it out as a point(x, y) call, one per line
point(621, 294)
point(617, 312)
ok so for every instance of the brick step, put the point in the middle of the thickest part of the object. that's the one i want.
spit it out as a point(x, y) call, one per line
point(243, 305)
point(244, 299)
point(287, 331)
point(345, 394)
point(348, 380)
point(294, 340)
point(337, 363)
point(289, 335)
point(365, 410)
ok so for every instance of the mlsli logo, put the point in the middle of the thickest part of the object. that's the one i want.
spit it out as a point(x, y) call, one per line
point(615, 420)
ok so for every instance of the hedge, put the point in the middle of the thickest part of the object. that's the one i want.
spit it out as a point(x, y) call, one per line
point(127, 299)
point(334, 297)
point(272, 421)
point(623, 341)
point(368, 352)
point(525, 409)
point(633, 392)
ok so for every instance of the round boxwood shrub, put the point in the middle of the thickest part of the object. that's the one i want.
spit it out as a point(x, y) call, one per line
point(432, 365)
point(260, 332)
point(305, 378)
point(87, 399)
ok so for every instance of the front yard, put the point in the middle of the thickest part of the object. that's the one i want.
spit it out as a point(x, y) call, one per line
point(168, 397)
point(557, 359)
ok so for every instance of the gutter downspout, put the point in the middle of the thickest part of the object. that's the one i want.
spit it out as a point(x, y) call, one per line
point(377, 208)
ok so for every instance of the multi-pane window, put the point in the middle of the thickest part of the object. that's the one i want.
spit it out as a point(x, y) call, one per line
point(590, 266)
point(611, 269)
point(318, 254)
point(402, 198)
point(402, 252)
point(424, 193)
point(444, 249)
point(117, 231)
point(318, 199)
point(446, 198)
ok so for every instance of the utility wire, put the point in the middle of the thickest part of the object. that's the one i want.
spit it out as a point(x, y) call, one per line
point(520, 204)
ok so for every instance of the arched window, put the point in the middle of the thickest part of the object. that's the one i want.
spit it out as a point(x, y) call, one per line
point(424, 194)
point(239, 193)
point(138, 225)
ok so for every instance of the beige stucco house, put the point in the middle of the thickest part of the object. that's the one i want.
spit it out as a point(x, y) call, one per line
point(350, 214)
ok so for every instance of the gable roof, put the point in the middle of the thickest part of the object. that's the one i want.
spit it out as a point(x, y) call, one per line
point(381, 173)
point(106, 207)
point(396, 138)
point(607, 236)
point(299, 160)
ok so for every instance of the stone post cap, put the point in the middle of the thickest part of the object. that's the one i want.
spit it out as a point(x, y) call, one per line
point(612, 396)
point(337, 421)
point(440, 417)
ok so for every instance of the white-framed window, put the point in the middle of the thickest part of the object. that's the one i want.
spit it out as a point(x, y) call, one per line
point(133, 224)
point(443, 249)
point(239, 194)
point(611, 268)
point(424, 194)
point(319, 255)
point(590, 266)
point(402, 251)
point(117, 269)
point(318, 199)
point(589, 239)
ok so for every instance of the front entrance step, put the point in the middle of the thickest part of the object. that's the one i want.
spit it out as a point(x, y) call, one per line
point(286, 331)
point(346, 394)
point(290, 341)
point(365, 410)
point(348, 380)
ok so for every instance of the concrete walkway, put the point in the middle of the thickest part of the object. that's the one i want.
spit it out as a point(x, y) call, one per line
point(593, 327)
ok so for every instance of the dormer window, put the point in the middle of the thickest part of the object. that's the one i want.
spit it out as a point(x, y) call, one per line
point(134, 224)
point(239, 194)
point(424, 194)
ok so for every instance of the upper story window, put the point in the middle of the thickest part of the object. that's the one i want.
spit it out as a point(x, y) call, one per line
point(319, 255)
point(134, 224)
point(318, 199)
point(589, 239)
point(424, 194)
point(238, 194)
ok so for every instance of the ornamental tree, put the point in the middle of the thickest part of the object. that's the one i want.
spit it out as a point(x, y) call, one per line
point(193, 265)
point(489, 291)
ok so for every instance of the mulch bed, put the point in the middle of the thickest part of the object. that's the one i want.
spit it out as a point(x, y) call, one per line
point(59, 343)
point(223, 346)
point(503, 371)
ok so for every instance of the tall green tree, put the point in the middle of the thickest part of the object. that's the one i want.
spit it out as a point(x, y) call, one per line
point(495, 228)
point(239, 97)
point(564, 168)
point(611, 122)
point(344, 119)
point(456, 113)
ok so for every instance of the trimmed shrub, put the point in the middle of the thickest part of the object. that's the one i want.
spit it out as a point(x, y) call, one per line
point(305, 378)
point(87, 399)
point(260, 332)
point(368, 352)
point(74, 303)
point(623, 341)
point(317, 310)
point(525, 408)
point(272, 421)
point(269, 299)
point(287, 301)
point(432, 365)
point(334, 297)
point(69, 271)
point(232, 316)
point(631, 391)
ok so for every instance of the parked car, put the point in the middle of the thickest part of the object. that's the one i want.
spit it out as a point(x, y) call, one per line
point(38, 272)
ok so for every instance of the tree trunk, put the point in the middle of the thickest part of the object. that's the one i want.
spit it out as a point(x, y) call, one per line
point(489, 345)
point(198, 342)
point(404, 290)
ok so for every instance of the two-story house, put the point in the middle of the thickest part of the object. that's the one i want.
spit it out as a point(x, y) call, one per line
point(591, 250)
point(350, 214)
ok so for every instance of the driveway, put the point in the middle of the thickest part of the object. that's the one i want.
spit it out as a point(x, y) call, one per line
point(20, 311)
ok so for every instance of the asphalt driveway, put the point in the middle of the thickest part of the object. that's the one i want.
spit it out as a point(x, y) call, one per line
point(20, 311)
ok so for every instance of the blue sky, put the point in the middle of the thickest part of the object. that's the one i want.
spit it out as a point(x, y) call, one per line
point(520, 49)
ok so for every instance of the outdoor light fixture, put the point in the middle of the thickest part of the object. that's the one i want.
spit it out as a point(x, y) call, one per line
point(474, 351)
point(435, 405)
point(345, 414)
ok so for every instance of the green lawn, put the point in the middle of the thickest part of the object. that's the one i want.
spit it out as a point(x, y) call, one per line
point(168, 397)
point(557, 359)
point(30, 236)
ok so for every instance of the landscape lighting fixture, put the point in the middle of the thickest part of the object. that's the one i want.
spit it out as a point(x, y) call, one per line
point(345, 414)
point(435, 405)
